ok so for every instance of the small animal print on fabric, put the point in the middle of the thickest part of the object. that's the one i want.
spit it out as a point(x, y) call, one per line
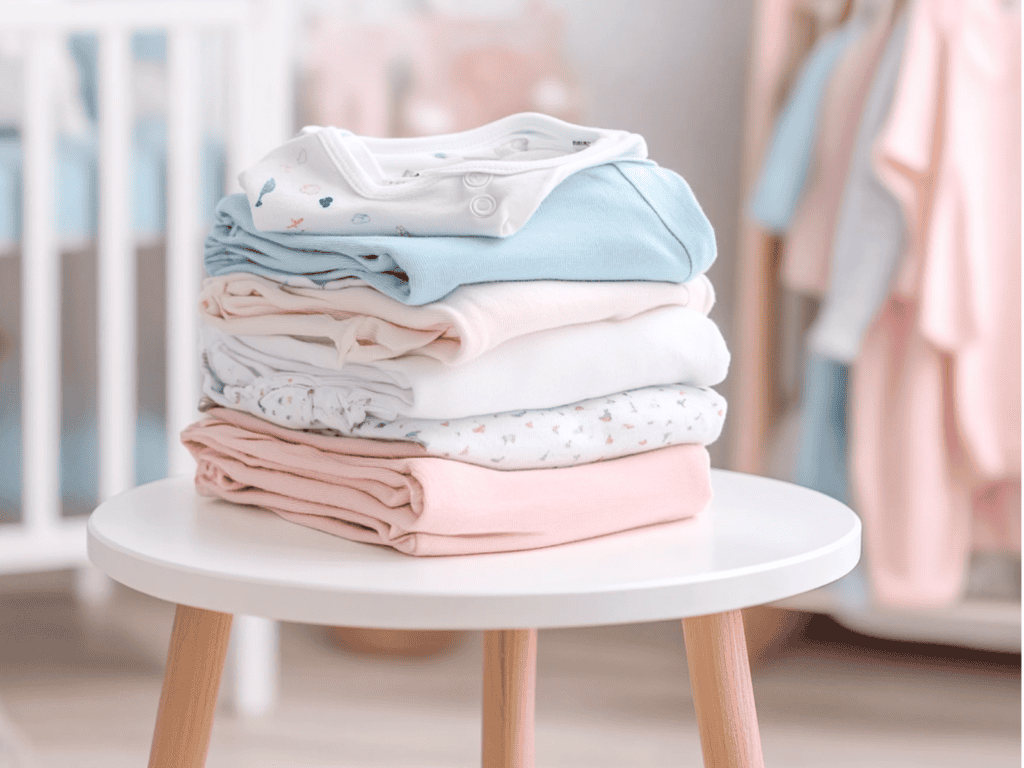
point(309, 189)
point(295, 223)
point(360, 218)
point(325, 202)
point(267, 189)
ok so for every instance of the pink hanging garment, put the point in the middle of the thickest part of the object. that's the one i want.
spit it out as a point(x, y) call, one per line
point(936, 393)
point(348, 71)
point(809, 240)
point(388, 492)
point(471, 71)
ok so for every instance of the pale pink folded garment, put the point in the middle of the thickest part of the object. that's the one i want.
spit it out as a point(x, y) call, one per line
point(388, 493)
point(366, 326)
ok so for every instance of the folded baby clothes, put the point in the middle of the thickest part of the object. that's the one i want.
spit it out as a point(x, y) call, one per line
point(485, 181)
point(364, 325)
point(592, 430)
point(618, 221)
point(386, 492)
point(300, 384)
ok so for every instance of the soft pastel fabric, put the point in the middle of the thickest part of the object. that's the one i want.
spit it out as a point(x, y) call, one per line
point(781, 181)
point(936, 392)
point(822, 458)
point(382, 492)
point(346, 62)
point(617, 221)
point(869, 227)
point(864, 255)
point(299, 383)
point(484, 181)
point(461, 71)
point(812, 228)
point(364, 325)
point(822, 453)
point(592, 430)
point(476, 68)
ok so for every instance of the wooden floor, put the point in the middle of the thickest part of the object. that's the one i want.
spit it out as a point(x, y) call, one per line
point(84, 691)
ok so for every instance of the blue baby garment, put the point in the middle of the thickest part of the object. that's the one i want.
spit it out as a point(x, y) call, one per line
point(619, 221)
point(784, 172)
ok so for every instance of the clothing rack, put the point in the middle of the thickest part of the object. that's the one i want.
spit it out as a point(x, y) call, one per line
point(783, 33)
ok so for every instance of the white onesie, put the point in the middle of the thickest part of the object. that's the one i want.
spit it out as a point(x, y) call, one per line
point(486, 181)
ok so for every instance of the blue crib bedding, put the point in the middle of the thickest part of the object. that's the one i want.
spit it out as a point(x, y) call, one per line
point(76, 193)
point(79, 451)
point(76, 202)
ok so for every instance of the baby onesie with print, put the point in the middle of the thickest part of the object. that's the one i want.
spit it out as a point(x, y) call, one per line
point(485, 181)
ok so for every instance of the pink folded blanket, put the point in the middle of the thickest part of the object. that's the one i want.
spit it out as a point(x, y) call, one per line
point(388, 492)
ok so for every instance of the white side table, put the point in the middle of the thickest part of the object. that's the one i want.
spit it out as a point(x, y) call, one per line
point(761, 540)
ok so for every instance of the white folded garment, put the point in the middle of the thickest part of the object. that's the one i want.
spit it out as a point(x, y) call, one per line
point(601, 428)
point(365, 325)
point(485, 181)
point(298, 383)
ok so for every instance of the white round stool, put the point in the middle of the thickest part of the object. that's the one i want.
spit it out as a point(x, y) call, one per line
point(760, 540)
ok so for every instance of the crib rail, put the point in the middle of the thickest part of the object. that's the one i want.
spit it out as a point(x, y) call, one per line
point(43, 540)
point(256, 35)
point(40, 305)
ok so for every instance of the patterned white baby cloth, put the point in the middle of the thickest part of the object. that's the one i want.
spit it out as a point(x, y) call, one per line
point(600, 428)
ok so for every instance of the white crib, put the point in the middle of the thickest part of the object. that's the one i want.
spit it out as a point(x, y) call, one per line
point(257, 39)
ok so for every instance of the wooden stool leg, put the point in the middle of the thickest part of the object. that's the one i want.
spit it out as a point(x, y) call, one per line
point(722, 692)
point(195, 661)
point(510, 683)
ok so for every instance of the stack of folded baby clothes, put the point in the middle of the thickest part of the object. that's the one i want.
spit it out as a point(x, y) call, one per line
point(487, 341)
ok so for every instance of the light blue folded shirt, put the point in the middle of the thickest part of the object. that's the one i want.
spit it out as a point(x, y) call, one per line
point(781, 181)
point(629, 220)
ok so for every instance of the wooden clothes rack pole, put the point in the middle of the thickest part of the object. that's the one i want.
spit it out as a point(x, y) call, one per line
point(774, 38)
point(783, 33)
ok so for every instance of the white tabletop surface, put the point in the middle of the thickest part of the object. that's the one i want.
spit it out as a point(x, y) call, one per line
point(759, 541)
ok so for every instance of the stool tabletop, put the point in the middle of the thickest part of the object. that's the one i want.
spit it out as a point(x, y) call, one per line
point(760, 540)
